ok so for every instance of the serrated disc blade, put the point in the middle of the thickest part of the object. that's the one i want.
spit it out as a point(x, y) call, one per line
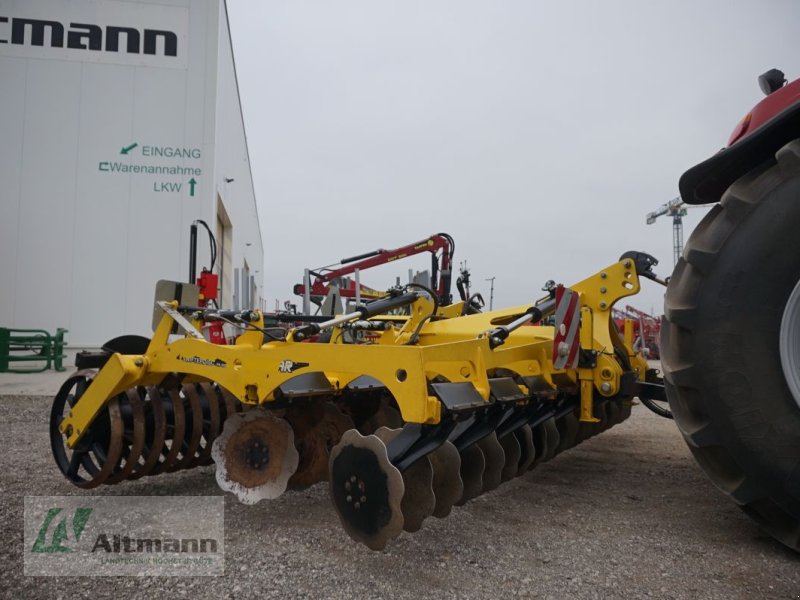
point(495, 461)
point(448, 488)
point(553, 438)
point(473, 464)
point(568, 432)
point(528, 450)
point(255, 456)
point(513, 452)
point(540, 442)
point(366, 489)
point(419, 499)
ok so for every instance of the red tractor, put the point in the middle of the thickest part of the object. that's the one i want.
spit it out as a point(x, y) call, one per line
point(731, 337)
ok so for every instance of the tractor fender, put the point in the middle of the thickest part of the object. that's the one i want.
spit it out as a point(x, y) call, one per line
point(706, 182)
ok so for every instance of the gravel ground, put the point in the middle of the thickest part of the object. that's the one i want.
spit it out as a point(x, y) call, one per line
point(626, 514)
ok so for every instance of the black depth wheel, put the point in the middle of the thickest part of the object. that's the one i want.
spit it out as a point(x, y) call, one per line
point(721, 341)
point(96, 455)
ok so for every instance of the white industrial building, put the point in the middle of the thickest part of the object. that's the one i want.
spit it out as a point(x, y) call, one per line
point(120, 126)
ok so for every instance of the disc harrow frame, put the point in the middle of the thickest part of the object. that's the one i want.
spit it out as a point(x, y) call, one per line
point(440, 408)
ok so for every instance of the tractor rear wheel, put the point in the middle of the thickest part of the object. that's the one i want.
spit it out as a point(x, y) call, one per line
point(730, 345)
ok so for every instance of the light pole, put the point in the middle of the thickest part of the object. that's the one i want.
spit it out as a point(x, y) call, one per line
point(491, 292)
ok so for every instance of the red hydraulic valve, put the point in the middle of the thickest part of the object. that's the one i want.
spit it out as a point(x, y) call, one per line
point(208, 283)
point(216, 335)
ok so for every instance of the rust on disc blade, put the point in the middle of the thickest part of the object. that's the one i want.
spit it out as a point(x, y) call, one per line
point(88, 464)
point(133, 445)
point(447, 485)
point(178, 428)
point(528, 450)
point(366, 489)
point(154, 434)
point(314, 446)
point(419, 499)
point(232, 404)
point(255, 456)
point(473, 464)
point(495, 461)
point(210, 428)
point(116, 444)
point(334, 424)
point(193, 413)
point(567, 432)
point(513, 452)
point(114, 453)
point(386, 416)
point(312, 466)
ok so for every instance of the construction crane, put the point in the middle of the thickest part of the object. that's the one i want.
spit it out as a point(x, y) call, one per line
point(676, 209)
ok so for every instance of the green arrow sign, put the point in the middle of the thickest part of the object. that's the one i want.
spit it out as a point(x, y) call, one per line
point(192, 183)
point(127, 149)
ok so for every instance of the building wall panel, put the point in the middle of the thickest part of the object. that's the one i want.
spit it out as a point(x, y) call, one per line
point(106, 161)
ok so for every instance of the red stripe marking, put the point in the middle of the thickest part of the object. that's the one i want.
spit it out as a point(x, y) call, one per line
point(573, 312)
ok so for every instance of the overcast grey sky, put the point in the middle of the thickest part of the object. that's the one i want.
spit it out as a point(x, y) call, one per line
point(538, 134)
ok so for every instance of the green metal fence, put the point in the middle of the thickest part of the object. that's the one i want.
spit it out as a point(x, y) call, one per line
point(34, 346)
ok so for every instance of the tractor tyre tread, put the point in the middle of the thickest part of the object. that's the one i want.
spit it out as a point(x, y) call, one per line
point(719, 344)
